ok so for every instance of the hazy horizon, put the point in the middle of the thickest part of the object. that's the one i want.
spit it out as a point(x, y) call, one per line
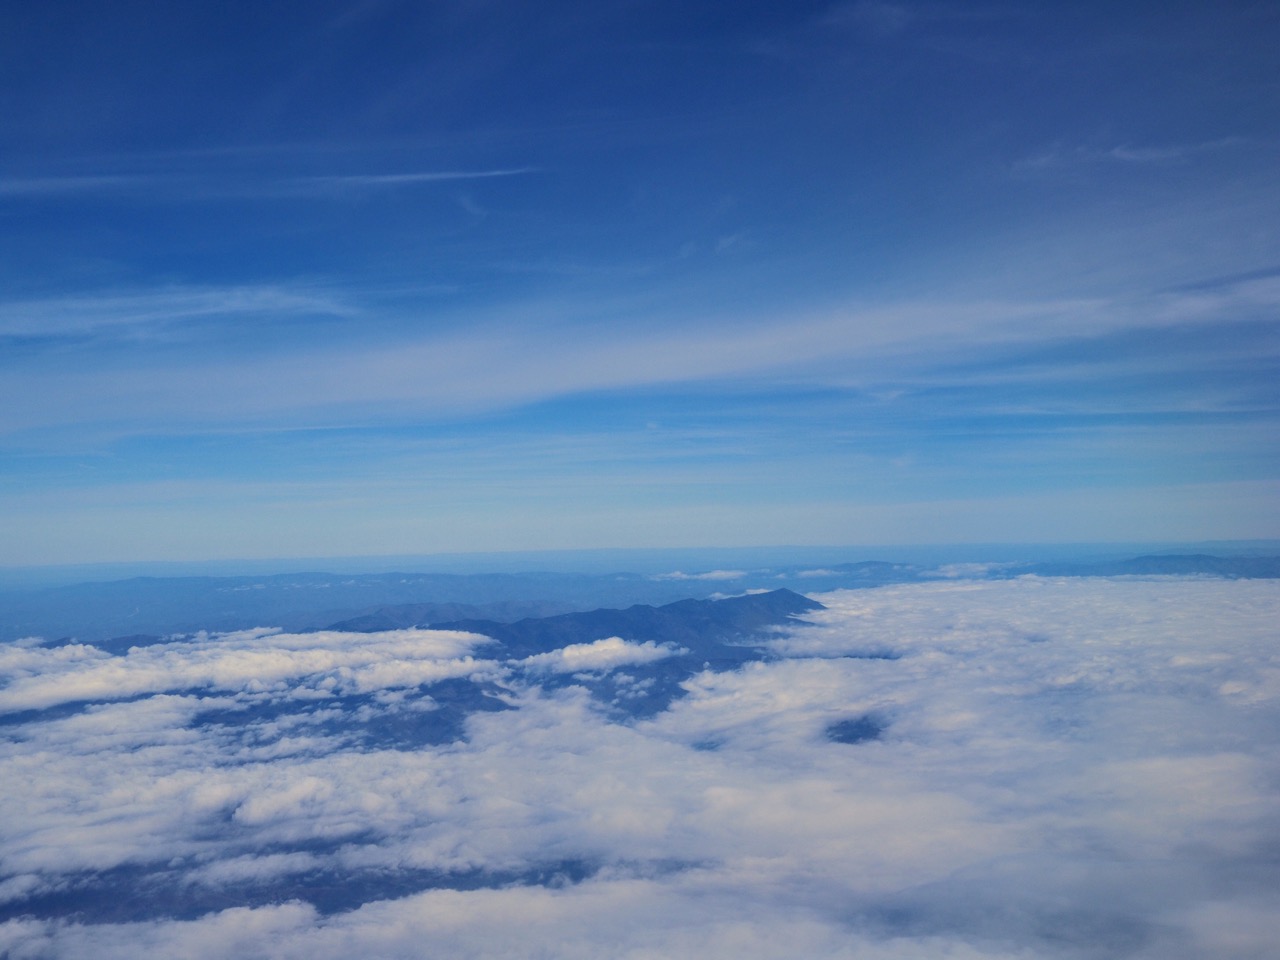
point(627, 559)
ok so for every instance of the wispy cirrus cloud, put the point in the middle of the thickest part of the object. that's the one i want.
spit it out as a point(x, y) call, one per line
point(35, 187)
point(374, 180)
point(201, 185)
point(56, 317)
point(521, 354)
point(1061, 155)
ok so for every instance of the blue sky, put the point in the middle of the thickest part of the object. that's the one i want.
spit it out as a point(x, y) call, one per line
point(358, 278)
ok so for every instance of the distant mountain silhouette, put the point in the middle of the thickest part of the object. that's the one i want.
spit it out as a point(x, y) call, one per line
point(404, 615)
point(708, 629)
point(1164, 565)
point(121, 614)
point(93, 612)
point(701, 634)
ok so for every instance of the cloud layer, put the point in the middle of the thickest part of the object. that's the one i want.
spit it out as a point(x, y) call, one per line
point(1053, 768)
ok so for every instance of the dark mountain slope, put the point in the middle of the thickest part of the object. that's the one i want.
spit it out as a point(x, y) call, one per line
point(709, 629)
point(404, 615)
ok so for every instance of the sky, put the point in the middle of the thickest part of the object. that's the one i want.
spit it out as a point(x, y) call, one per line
point(1069, 769)
point(367, 278)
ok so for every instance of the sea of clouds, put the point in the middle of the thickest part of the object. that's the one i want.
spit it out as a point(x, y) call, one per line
point(1076, 768)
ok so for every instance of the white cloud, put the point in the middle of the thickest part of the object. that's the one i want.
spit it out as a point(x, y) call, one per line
point(152, 309)
point(708, 575)
point(627, 919)
point(356, 180)
point(1060, 155)
point(956, 571)
point(507, 358)
point(55, 186)
point(247, 660)
point(600, 655)
point(185, 187)
point(1075, 768)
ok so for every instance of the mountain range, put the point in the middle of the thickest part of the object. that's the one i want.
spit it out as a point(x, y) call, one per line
point(98, 612)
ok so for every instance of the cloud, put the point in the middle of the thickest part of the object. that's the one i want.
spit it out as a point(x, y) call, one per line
point(58, 186)
point(524, 354)
point(197, 185)
point(1062, 156)
point(130, 313)
point(377, 180)
point(709, 575)
point(953, 571)
point(601, 655)
point(251, 660)
point(1076, 768)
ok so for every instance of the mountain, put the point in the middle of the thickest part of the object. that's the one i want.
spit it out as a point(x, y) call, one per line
point(710, 629)
point(1192, 564)
point(405, 615)
point(97, 611)
point(696, 634)
point(128, 612)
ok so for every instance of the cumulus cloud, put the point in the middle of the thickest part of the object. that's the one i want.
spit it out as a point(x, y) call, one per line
point(601, 655)
point(1061, 768)
point(250, 660)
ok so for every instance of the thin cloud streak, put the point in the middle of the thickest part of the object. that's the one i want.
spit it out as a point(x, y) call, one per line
point(196, 185)
point(63, 316)
point(398, 179)
point(59, 186)
point(499, 364)
point(1125, 153)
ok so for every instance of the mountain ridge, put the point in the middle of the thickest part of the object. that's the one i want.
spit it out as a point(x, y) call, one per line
point(704, 627)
